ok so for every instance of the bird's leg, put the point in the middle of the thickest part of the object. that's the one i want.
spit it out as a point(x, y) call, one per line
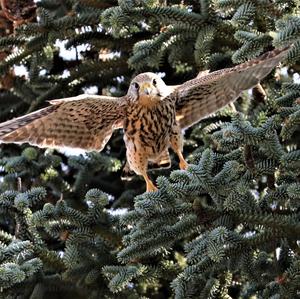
point(149, 184)
point(177, 145)
point(138, 162)
point(182, 163)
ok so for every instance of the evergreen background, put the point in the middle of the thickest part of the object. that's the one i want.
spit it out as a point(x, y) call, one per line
point(228, 227)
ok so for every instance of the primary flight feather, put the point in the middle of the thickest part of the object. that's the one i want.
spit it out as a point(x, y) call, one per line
point(152, 114)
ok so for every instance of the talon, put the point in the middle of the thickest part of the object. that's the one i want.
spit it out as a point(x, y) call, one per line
point(183, 165)
point(151, 188)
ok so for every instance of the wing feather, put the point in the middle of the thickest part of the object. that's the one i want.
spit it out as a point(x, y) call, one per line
point(208, 93)
point(85, 122)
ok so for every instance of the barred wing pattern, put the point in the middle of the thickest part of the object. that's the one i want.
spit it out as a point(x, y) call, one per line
point(208, 93)
point(85, 122)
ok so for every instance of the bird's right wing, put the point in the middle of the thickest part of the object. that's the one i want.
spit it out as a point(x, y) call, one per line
point(209, 92)
point(85, 122)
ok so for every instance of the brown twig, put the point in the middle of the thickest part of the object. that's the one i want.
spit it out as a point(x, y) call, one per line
point(259, 94)
point(19, 12)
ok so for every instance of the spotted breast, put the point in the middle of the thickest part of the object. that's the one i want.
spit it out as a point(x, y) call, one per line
point(147, 131)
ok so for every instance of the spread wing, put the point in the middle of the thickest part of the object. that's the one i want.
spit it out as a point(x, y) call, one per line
point(206, 94)
point(85, 122)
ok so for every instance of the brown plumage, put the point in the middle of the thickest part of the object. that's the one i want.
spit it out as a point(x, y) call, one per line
point(152, 114)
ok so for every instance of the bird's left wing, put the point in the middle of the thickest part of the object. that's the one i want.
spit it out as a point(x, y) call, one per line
point(209, 92)
point(85, 122)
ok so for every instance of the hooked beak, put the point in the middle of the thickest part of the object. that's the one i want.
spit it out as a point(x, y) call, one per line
point(146, 88)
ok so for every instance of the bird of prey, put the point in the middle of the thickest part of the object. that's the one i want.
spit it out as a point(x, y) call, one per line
point(151, 114)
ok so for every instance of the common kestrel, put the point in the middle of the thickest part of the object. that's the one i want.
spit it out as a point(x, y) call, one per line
point(152, 114)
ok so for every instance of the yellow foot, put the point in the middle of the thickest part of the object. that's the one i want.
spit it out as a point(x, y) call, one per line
point(183, 165)
point(150, 187)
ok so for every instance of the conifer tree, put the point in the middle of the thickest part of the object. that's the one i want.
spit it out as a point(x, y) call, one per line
point(227, 227)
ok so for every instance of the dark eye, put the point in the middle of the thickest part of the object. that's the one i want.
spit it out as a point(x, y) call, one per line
point(154, 82)
point(136, 85)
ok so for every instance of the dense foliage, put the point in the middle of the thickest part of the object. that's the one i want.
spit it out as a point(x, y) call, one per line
point(228, 227)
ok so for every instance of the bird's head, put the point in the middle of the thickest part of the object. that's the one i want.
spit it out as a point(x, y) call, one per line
point(147, 89)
